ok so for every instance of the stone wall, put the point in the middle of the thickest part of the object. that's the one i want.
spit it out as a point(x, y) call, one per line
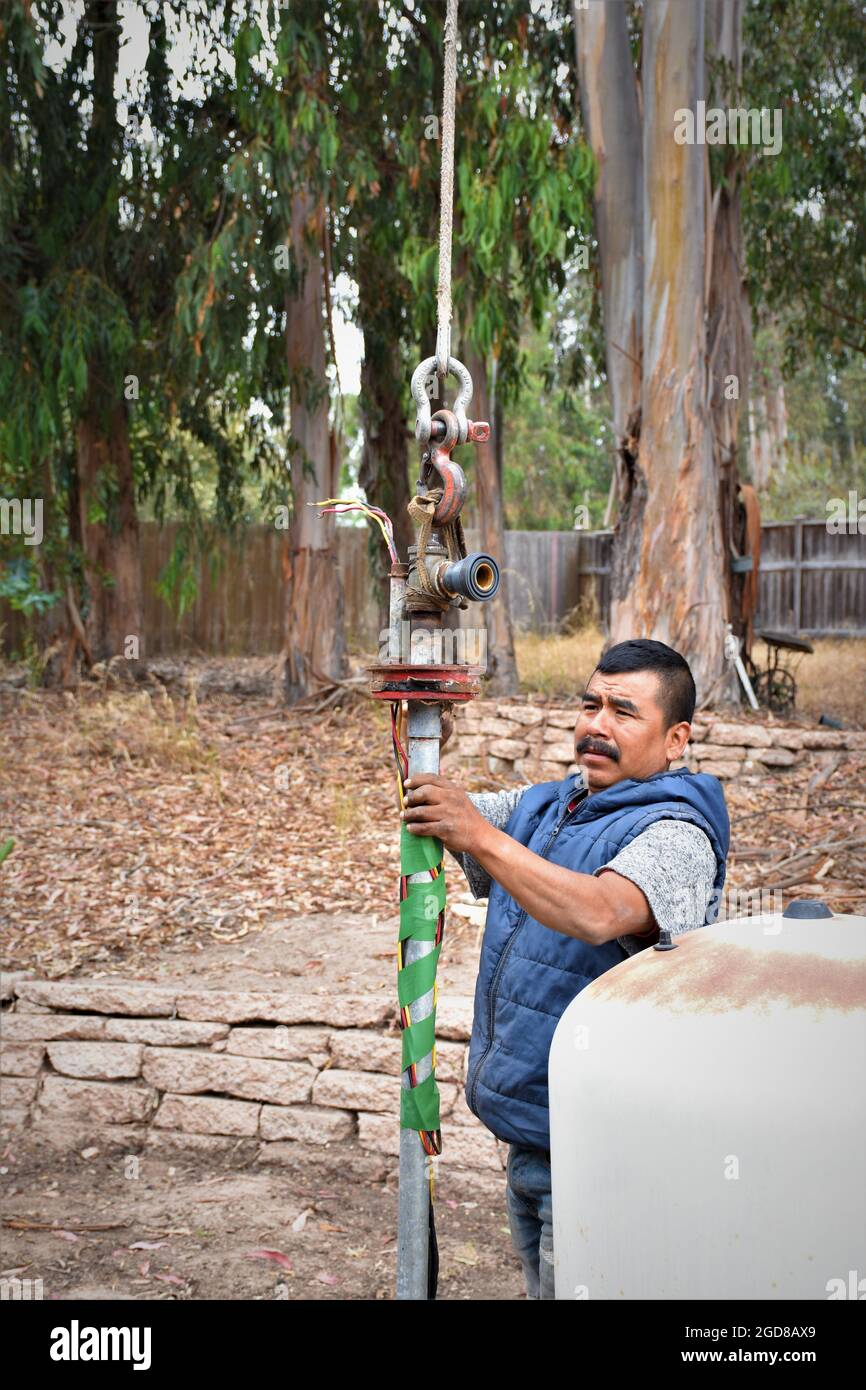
point(151, 1066)
point(535, 743)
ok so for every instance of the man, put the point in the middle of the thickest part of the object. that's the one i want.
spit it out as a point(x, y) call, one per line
point(579, 874)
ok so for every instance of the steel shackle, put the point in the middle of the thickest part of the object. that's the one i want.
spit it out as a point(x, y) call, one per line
point(423, 422)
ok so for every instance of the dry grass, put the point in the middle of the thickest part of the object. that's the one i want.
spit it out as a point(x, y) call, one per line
point(142, 728)
point(558, 665)
point(831, 681)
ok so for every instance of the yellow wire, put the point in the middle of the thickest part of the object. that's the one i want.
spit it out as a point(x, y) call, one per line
point(357, 506)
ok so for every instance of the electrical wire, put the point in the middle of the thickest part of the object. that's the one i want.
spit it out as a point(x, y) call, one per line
point(341, 505)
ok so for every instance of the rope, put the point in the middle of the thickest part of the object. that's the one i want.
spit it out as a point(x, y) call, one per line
point(446, 193)
point(425, 596)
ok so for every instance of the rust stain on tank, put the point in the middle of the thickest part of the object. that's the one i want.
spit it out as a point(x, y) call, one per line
point(722, 975)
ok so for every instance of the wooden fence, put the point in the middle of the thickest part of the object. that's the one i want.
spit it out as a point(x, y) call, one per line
point(811, 582)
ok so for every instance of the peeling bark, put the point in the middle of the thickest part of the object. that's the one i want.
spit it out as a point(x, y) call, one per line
point(612, 123)
point(608, 94)
point(315, 640)
point(674, 291)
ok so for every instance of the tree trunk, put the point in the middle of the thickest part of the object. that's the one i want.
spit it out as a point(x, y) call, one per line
point(501, 661)
point(612, 123)
point(315, 640)
point(672, 586)
point(384, 462)
point(777, 416)
point(50, 627)
point(107, 524)
point(729, 314)
point(497, 425)
point(109, 537)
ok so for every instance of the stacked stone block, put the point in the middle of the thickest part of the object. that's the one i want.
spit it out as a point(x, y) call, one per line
point(150, 1065)
point(535, 743)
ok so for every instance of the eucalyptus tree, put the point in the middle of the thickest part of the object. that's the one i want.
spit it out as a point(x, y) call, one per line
point(676, 317)
point(803, 209)
point(106, 205)
point(729, 168)
point(524, 181)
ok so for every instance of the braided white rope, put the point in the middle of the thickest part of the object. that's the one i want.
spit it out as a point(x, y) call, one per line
point(446, 193)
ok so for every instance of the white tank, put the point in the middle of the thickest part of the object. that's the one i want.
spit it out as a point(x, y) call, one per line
point(708, 1117)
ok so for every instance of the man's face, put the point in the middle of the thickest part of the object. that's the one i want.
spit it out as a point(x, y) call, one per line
point(621, 730)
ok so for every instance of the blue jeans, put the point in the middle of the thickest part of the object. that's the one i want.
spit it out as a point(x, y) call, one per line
point(530, 1216)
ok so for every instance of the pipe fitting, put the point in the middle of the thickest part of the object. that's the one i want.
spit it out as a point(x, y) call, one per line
point(475, 577)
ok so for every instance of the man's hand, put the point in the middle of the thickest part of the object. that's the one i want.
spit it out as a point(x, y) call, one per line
point(434, 806)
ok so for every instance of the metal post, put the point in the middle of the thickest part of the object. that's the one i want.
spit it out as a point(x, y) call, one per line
point(425, 731)
point(397, 594)
point(798, 573)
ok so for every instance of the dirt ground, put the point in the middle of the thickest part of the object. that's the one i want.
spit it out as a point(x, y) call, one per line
point(181, 1226)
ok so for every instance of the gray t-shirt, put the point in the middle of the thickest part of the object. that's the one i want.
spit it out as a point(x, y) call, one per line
point(672, 862)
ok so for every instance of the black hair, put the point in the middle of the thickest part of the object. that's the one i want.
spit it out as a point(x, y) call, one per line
point(677, 694)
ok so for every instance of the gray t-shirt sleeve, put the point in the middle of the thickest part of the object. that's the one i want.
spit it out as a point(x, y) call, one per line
point(674, 865)
point(497, 808)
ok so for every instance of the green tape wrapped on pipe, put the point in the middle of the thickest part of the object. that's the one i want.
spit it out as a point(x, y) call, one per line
point(419, 911)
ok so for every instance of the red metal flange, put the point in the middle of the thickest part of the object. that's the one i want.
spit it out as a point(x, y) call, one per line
point(399, 680)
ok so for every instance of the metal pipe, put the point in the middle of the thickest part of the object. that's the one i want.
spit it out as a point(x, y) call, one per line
point(397, 595)
point(413, 1215)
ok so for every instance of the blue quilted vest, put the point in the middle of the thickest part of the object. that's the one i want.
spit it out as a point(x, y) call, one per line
point(528, 974)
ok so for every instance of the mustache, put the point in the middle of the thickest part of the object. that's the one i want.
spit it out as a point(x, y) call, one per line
point(591, 745)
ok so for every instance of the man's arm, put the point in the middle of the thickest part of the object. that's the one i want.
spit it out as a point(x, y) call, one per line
point(497, 809)
point(593, 909)
point(674, 865)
